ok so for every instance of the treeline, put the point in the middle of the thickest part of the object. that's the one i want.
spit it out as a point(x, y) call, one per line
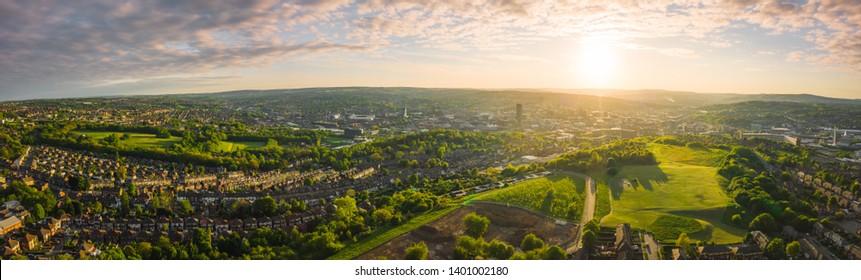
point(436, 143)
point(761, 203)
point(608, 156)
point(696, 141)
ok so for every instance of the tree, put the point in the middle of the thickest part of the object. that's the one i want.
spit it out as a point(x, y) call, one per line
point(776, 249)
point(264, 206)
point(185, 208)
point(555, 253)
point(531, 242)
point(418, 251)
point(764, 222)
point(593, 225)
point(468, 248)
point(79, 183)
point(683, 242)
point(476, 225)
point(793, 249)
point(499, 250)
point(737, 220)
point(382, 216)
point(38, 212)
point(589, 239)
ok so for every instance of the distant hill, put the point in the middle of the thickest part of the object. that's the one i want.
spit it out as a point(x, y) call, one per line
point(694, 99)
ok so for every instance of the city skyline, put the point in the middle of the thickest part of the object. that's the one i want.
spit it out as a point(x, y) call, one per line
point(105, 48)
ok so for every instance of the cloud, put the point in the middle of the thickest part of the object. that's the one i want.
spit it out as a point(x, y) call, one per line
point(62, 43)
point(680, 52)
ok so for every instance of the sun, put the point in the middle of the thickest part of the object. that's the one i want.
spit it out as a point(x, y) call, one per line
point(596, 62)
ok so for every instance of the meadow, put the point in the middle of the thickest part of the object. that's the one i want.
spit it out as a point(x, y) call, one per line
point(683, 185)
point(137, 140)
point(146, 141)
point(558, 196)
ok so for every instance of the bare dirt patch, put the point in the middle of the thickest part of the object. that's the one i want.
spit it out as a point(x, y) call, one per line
point(509, 224)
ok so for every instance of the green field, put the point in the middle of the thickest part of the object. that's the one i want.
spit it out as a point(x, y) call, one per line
point(683, 184)
point(228, 146)
point(137, 140)
point(669, 227)
point(552, 195)
point(602, 196)
point(383, 235)
point(145, 140)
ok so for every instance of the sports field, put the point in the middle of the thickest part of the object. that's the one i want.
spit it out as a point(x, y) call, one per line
point(684, 184)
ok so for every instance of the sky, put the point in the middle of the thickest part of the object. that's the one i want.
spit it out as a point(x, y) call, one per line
point(58, 49)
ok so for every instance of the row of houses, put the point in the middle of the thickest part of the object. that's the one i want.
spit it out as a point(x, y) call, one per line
point(299, 221)
point(729, 252)
point(845, 198)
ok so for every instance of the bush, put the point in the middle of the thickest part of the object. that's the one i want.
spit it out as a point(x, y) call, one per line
point(418, 251)
point(476, 225)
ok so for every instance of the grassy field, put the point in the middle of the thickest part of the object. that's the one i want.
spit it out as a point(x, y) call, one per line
point(381, 236)
point(669, 227)
point(137, 140)
point(227, 146)
point(684, 184)
point(144, 140)
point(602, 197)
point(552, 195)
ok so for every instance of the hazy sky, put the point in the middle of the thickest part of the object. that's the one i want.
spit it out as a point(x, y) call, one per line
point(53, 48)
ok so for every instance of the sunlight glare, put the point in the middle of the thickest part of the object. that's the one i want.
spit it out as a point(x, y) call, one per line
point(596, 62)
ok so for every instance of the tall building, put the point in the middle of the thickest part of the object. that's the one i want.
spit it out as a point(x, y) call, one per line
point(519, 113)
point(405, 112)
point(834, 138)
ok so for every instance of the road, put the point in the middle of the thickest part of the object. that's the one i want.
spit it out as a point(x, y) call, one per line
point(588, 208)
point(652, 247)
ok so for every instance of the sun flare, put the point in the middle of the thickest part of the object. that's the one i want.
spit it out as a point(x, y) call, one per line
point(596, 62)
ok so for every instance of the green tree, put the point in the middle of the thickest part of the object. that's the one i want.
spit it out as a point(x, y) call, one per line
point(38, 212)
point(418, 251)
point(737, 220)
point(683, 242)
point(185, 208)
point(531, 242)
point(589, 239)
point(499, 250)
point(776, 249)
point(468, 248)
point(555, 253)
point(764, 222)
point(793, 249)
point(79, 183)
point(476, 225)
point(264, 206)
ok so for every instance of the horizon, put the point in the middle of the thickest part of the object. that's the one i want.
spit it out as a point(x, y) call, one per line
point(571, 91)
point(145, 47)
